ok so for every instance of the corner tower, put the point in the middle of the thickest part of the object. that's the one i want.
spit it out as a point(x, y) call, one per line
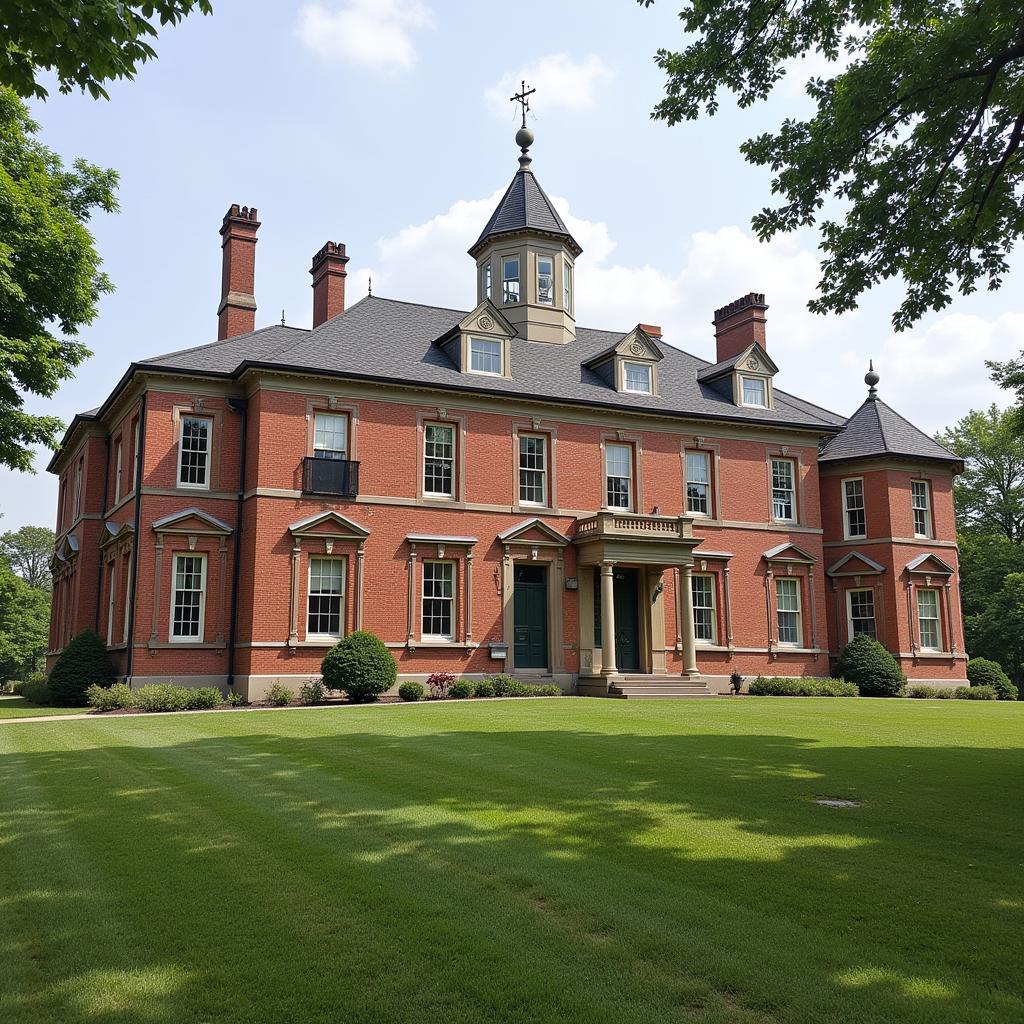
point(526, 258)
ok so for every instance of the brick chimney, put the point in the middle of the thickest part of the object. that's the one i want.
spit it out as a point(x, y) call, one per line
point(738, 324)
point(651, 330)
point(236, 313)
point(329, 274)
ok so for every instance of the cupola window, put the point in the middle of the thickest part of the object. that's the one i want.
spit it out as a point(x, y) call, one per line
point(510, 279)
point(567, 286)
point(545, 280)
point(485, 280)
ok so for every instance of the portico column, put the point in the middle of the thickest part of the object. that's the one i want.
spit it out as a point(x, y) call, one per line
point(608, 619)
point(689, 644)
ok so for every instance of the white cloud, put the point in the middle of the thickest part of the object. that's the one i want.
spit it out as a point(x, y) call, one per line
point(376, 34)
point(932, 375)
point(561, 83)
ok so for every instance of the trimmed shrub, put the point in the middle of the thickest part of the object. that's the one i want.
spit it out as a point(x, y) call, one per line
point(503, 684)
point(279, 695)
point(976, 693)
point(411, 691)
point(923, 692)
point(985, 672)
point(83, 661)
point(777, 686)
point(360, 666)
point(460, 689)
point(110, 698)
point(312, 692)
point(202, 698)
point(38, 693)
point(438, 684)
point(235, 700)
point(161, 697)
point(547, 690)
point(865, 662)
point(484, 688)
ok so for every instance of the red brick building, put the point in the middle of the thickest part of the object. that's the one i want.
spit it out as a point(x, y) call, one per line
point(494, 489)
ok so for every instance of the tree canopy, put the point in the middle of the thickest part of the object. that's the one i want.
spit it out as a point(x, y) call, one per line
point(24, 625)
point(83, 42)
point(915, 142)
point(28, 552)
point(50, 276)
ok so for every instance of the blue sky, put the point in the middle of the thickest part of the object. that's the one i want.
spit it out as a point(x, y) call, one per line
point(385, 124)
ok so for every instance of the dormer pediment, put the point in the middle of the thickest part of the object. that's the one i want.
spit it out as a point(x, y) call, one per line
point(487, 319)
point(630, 365)
point(638, 344)
point(480, 343)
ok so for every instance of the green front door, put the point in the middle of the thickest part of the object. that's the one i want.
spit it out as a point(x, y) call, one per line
point(627, 617)
point(530, 601)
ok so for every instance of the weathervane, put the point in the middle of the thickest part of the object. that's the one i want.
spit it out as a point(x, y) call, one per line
point(524, 137)
point(523, 97)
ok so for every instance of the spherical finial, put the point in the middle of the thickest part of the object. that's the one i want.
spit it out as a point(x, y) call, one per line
point(871, 379)
point(524, 139)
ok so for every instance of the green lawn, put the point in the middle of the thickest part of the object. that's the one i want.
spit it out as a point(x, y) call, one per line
point(559, 860)
point(18, 707)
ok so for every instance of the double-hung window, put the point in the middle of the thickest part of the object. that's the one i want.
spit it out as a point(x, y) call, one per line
point(188, 599)
point(783, 491)
point(330, 435)
point(618, 461)
point(485, 356)
point(510, 279)
point(860, 612)
point(326, 590)
point(118, 465)
point(698, 483)
point(533, 469)
point(439, 460)
point(854, 521)
point(194, 452)
point(636, 377)
point(703, 590)
point(567, 286)
point(438, 618)
point(545, 280)
point(485, 279)
point(928, 623)
point(755, 392)
point(787, 605)
point(920, 501)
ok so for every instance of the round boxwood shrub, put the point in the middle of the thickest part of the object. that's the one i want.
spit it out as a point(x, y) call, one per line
point(461, 689)
point(81, 664)
point(361, 666)
point(867, 663)
point(484, 688)
point(411, 691)
point(985, 672)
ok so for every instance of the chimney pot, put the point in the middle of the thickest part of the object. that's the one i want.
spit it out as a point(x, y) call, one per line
point(738, 324)
point(328, 270)
point(236, 313)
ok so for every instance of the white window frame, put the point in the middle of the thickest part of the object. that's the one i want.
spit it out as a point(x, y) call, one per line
point(712, 608)
point(111, 580)
point(923, 487)
point(780, 583)
point(705, 457)
point(449, 598)
point(322, 434)
point(485, 279)
point(628, 365)
point(487, 343)
point(937, 619)
point(764, 392)
point(518, 279)
point(848, 533)
point(849, 611)
point(118, 459)
point(208, 420)
point(340, 595)
point(791, 490)
point(76, 506)
point(550, 301)
point(542, 469)
point(173, 637)
point(567, 286)
point(450, 459)
point(608, 476)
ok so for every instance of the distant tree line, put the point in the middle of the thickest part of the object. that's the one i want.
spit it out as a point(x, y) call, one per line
point(25, 590)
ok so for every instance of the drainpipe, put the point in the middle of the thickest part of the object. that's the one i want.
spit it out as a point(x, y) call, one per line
point(240, 405)
point(99, 564)
point(136, 540)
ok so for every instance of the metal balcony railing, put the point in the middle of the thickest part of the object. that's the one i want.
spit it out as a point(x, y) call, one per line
point(339, 477)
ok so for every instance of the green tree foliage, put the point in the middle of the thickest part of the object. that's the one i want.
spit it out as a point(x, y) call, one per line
point(28, 552)
point(84, 662)
point(83, 42)
point(50, 275)
point(361, 666)
point(1010, 376)
point(24, 625)
point(985, 561)
point(997, 630)
point(989, 494)
point(915, 139)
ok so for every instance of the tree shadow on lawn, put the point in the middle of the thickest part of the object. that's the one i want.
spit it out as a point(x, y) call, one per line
point(492, 876)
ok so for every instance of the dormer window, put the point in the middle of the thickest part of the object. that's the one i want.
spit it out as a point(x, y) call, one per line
point(485, 356)
point(545, 280)
point(510, 279)
point(755, 392)
point(636, 377)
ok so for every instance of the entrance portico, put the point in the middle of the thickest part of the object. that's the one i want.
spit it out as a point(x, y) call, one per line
point(622, 559)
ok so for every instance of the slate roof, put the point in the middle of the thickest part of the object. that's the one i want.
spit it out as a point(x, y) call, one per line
point(875, 429)
point(524, 207)
point(391, 342)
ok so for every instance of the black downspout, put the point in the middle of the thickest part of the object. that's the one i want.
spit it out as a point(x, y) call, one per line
point(136, 540)
point(99, 564)
point(240, 405)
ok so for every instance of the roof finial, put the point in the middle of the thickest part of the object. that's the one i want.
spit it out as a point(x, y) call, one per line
point(871, 379)
point(369, 285)
point(524, 137)
point(282, 318)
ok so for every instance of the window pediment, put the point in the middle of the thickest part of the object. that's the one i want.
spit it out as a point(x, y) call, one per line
point(191, 520)
point(329, 524)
